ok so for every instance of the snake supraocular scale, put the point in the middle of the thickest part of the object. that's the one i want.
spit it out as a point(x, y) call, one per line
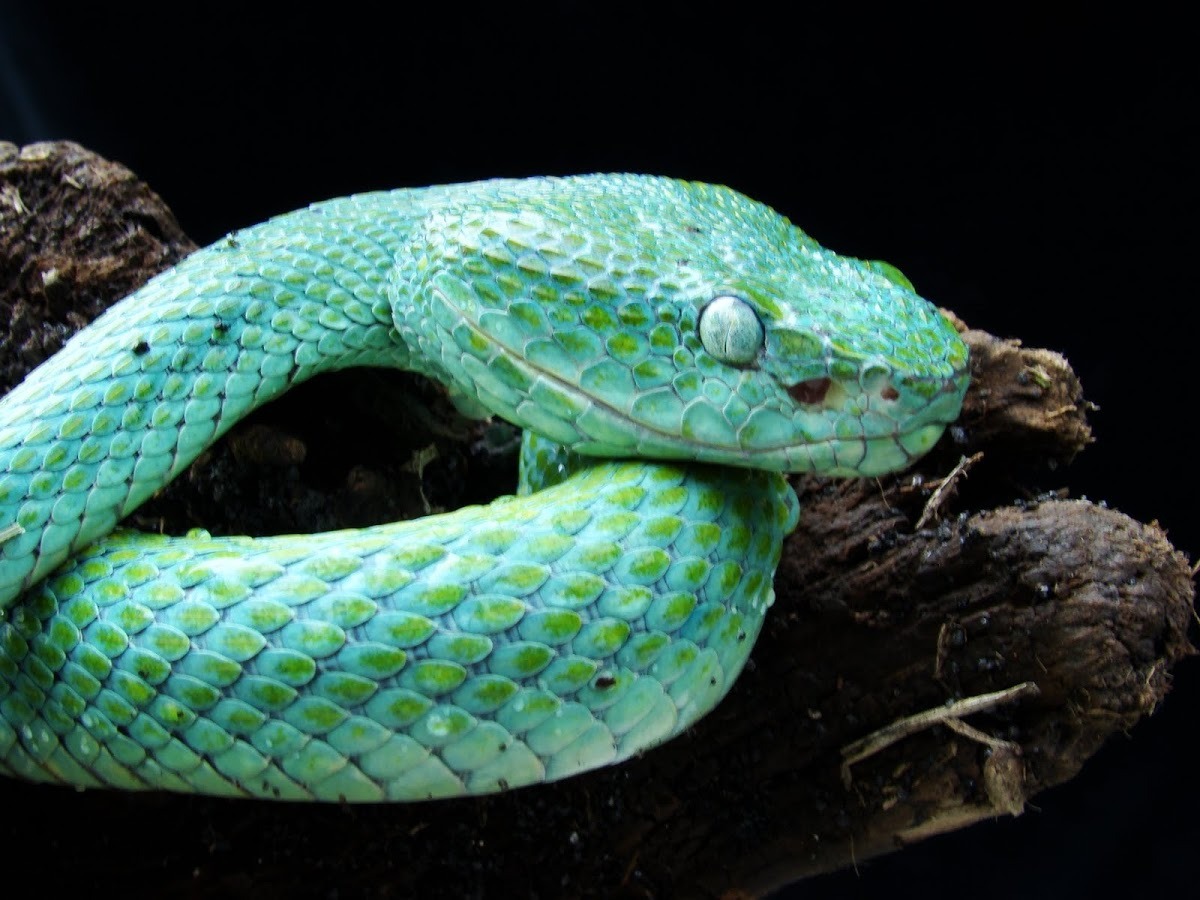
point(685, 344)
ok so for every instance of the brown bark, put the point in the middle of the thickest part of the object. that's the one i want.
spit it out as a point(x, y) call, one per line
point(876, 620)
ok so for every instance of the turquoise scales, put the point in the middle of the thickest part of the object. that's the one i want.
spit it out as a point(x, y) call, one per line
point(615, 316)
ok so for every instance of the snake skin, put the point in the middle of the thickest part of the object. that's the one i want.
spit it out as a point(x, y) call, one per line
point(600, 613)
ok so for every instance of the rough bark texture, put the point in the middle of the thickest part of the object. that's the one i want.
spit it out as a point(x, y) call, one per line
point(875, 620)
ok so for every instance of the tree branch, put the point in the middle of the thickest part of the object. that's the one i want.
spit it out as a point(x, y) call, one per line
point(895, 596)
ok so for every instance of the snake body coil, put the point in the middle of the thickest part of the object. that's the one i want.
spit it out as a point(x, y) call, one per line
point(620, 319)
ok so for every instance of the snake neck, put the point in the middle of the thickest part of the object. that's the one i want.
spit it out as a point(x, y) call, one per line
point(183, 359)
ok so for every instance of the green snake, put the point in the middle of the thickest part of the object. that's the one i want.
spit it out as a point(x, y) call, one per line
point(671, 349)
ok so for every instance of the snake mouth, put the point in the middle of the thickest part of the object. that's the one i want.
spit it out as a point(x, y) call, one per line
point(869, 444)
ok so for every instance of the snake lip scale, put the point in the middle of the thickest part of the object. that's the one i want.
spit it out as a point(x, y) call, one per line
point(670, 348)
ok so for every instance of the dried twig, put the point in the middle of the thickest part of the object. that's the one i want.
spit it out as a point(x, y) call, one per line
point(940, 715)
point(945, 489)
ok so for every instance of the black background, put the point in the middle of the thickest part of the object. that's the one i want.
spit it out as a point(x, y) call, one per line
point(1031, 169)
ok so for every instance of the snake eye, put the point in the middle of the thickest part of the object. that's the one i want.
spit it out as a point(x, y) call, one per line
point(730, 330)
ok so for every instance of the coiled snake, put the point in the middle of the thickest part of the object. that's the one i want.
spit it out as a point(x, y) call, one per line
point(673, 347)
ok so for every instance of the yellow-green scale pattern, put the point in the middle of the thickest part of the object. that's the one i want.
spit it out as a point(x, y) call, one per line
point(630, 317)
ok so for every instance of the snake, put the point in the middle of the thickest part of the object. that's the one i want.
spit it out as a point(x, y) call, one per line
point(672, 350)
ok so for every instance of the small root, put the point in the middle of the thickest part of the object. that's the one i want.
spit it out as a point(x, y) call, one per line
point(945, 489)
point(884, 737)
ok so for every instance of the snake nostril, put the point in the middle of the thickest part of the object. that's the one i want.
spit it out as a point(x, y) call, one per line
point(811, 391)
point(890, 393)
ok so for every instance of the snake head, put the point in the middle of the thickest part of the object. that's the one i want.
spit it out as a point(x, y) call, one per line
point(631, 316)
point(848, 370)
